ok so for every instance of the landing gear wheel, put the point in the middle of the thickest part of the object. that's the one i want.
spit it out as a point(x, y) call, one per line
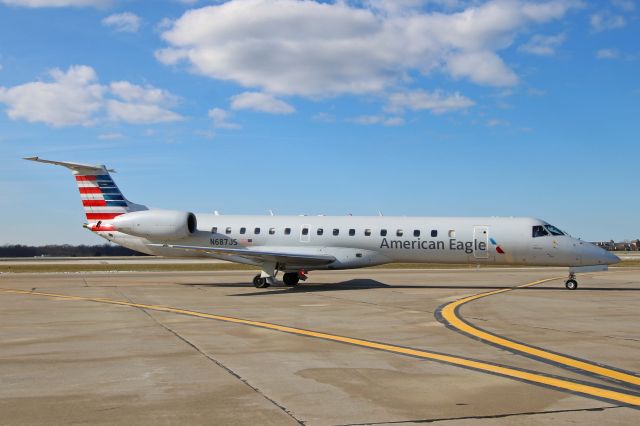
point(291, 279)
point(260, 282)
point(571, 284)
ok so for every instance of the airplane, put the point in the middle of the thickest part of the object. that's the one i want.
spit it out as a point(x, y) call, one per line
point(295, 245)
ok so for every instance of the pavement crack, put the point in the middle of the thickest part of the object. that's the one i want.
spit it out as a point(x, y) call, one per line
point(491, 416)
point(215, 361)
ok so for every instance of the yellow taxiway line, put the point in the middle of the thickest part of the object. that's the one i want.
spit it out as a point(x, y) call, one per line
point(558, 383)
point(450, 314)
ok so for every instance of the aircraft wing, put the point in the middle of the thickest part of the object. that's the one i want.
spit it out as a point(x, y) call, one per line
point(268, 256)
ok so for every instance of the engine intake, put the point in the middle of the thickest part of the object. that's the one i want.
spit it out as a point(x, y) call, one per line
point(157, 224)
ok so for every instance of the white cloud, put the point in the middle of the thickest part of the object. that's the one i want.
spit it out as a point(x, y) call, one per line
point(55, 3)
point(607, 54)
point(626, 5)
point(123, 22)
point(139, 113)
point(262, 102)
point(207, 134)
point(543, 45)
point(534, 91)
point(142, 94)
point(110, 136)
point(436, 102)
point(308, 48)
point(495, 122)
point(76, 97)
point(141, 104)
point(482, 67)
point(603, 21)
point(221, 118)
point(71, 98)
point(378, 119)
point(324, 117)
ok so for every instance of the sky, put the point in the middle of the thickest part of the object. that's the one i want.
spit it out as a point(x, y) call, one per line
point(406, 107)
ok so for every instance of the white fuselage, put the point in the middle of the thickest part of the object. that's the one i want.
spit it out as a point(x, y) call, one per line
point(361, 241)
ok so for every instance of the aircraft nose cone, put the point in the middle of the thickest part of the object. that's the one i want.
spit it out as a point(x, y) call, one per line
point(611, 259)
point(599, 256)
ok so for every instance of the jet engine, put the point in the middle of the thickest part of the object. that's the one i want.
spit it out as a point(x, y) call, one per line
point(156, 224)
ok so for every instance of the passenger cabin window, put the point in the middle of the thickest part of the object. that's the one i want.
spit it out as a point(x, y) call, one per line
point(399, 233)
point(452, 233)
point(256, 231)
point(416, 232)
point(383, 232)
point(305, 231)
point(320, 231)
point(434, 233)
point(352, 232)
point(539, 231)
point(336, 231)
point(367, 232)
point(553, 230)
point(272, 231)
point(243, 230)
point(214, 230)
point(287, 231)
point(228, 230)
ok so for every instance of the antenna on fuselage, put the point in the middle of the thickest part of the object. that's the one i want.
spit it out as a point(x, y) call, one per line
point(380, 213)
point(271, 212)
point(216, 213)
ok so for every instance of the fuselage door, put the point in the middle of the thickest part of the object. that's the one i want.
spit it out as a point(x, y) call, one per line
point(305, 231)
point(481, 242)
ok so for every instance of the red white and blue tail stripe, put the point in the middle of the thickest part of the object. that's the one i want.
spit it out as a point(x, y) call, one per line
point(102, 200)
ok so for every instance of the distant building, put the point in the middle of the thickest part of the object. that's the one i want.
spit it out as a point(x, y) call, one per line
point(622, 246)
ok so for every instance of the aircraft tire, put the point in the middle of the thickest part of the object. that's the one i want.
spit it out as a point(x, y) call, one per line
point(571, 284)
point(259, 282)
point(291, 279)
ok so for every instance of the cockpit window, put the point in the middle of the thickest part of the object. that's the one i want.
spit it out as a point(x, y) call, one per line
point(553, 230)
point(539, 231)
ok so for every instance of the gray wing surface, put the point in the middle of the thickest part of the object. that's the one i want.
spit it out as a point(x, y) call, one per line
point(269, 256)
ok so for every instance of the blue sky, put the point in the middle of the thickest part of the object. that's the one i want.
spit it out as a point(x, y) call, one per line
point(409, 107)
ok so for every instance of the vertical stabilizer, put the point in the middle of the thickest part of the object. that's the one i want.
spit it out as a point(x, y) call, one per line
point(101, 197)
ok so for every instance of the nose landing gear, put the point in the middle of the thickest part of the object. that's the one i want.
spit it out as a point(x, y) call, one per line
point(571, 283)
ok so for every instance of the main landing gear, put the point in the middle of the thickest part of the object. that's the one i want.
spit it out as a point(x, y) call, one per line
point(290, 279)
point(571, 283)
point(260, 282)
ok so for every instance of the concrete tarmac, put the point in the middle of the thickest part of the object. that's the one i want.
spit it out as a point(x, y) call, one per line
point(85, 361)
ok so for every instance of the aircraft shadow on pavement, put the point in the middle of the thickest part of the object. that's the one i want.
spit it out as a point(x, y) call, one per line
point(367, 284)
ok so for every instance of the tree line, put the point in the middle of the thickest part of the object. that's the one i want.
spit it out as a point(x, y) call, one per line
point(65, 250)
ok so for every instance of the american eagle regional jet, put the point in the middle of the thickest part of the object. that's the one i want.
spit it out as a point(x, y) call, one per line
point(296, 245)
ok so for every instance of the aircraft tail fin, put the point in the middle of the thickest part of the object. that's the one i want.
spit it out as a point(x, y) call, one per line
point(101, 197)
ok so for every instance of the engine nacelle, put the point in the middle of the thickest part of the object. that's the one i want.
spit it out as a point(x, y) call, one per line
point(156, 224)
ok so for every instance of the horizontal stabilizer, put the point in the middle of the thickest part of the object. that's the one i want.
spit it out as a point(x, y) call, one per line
point(76, 167)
